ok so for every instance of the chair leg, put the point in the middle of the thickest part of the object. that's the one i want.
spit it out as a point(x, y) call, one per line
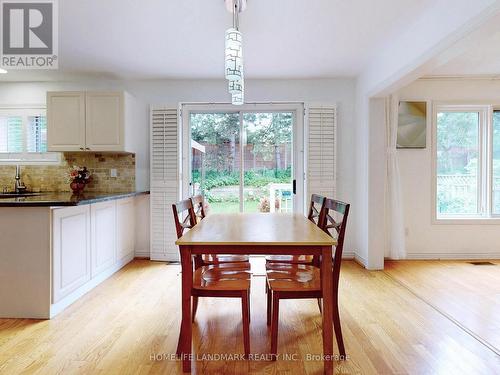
point(274, 325)
point(249, 314)
point(246, 322)
point(338, 328)
point(195, 307)
point(269, 302)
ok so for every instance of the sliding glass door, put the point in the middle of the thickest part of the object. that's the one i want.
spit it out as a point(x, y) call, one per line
point(244, 161)
point(215, 162)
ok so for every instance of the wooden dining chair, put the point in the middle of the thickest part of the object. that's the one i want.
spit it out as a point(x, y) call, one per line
point(315, 207)
point(227, 280)
point(198, 206)
point(299, 281)
point(208, 259)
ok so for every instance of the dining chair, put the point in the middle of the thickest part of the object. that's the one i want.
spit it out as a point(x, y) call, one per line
point(209, 259)
point(299, 281)
point(315, 206)
point(227, 280)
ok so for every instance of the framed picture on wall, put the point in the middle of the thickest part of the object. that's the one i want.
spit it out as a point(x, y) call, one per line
point(412, 124)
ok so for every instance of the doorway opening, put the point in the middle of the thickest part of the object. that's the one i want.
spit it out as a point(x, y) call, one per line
point(244, 160)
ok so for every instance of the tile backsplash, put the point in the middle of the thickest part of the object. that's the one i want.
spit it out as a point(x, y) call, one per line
point(54, 177)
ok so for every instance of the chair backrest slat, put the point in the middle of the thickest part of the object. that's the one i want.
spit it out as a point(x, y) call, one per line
point(198, 206)
point(315, 208)
point(327, 221)
point(184, 217)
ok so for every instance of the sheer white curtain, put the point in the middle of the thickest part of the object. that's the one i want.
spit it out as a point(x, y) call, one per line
point(394, 202)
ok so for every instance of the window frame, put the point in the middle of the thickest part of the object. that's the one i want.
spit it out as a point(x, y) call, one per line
point(25, 157)
point(298, 110)
point(485, 213)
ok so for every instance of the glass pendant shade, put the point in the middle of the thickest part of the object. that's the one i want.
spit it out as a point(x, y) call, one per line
point(237, 99)
point(236, 87)
point(233, 55)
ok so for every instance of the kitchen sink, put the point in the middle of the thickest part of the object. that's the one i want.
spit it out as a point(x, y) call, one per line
point(13, 194)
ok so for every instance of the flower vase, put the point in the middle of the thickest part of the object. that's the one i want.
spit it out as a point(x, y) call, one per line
point(77, 187)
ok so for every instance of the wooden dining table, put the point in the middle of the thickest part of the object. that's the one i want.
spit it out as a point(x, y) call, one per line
point(262, 234)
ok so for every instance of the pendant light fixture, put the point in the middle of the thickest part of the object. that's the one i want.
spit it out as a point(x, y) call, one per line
point(234, 54)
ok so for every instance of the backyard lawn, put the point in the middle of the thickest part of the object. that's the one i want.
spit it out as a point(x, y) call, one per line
point(226, 207)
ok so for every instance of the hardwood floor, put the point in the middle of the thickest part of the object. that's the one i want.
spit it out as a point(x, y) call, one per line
point(468, 294)
point(129, 325)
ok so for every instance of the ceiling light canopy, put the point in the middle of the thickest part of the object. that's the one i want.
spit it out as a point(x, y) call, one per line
point(233, 62)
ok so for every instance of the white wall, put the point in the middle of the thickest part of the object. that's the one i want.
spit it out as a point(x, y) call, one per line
point(425, 239)
point(428, 42)
point(170, 92)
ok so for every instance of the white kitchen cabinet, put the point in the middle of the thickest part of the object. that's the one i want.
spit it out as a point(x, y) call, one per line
point(68, 252)
point(125, 229)
point(104, 121)
point(71, 250)
point(90, 121)
point(66, 116)
point(103, 236)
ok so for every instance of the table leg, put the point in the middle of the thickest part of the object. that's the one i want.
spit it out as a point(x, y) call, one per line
point(327, 287)
point(180, 344)
point(187, 285)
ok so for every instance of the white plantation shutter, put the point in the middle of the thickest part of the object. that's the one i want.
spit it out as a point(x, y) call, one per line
point(11, 134)
point(321, 160)
point(36, 135)
point(164, 183)
point(23, 137)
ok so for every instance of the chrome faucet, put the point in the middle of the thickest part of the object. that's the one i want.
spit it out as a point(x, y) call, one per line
point(19, 187)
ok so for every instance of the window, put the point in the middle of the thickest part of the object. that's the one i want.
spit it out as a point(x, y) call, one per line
point(23, 137)
point(496, 163)
point(467, 162)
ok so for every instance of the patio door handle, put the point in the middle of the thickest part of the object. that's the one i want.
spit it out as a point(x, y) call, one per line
point(294, 184)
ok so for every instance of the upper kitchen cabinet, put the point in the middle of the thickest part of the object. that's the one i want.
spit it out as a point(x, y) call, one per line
point(89, 121)
point(104, 120)
point(66, 121)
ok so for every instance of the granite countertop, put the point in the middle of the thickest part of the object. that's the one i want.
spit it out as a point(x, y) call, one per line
point(50, 199)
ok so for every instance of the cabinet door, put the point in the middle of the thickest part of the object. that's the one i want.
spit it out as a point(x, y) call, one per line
point(125, 228)
point(104, 121)
point(71, 246)
point(65, 121)
point(103, 236)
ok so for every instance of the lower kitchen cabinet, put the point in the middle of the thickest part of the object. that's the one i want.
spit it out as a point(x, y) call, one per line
point(51, 255)
point(71, 250)
point(90, 243)
point(125, 229)
point(103, 236)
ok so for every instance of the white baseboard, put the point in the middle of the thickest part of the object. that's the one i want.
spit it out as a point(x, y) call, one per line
point(59, 306)
point(348, 255)
point(142, 254)
point(165, 257)
point(360, 260)
point(451, 256)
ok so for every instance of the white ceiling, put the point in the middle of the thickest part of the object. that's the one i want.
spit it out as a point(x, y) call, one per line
point(483, 59)
point(154, 39)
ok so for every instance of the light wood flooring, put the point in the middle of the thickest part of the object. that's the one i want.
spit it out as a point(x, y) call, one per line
point(392, 322)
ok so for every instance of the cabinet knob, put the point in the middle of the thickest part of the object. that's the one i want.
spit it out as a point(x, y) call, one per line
point(87, 148)
point(81, 148)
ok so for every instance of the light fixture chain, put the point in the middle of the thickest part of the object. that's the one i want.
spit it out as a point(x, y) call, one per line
point(236, 15)
point(234, 56)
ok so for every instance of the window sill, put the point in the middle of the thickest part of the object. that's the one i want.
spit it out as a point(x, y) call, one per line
point(27, 158)
point(467, 221)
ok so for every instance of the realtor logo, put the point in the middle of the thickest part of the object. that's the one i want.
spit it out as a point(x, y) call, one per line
point(29, 34)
